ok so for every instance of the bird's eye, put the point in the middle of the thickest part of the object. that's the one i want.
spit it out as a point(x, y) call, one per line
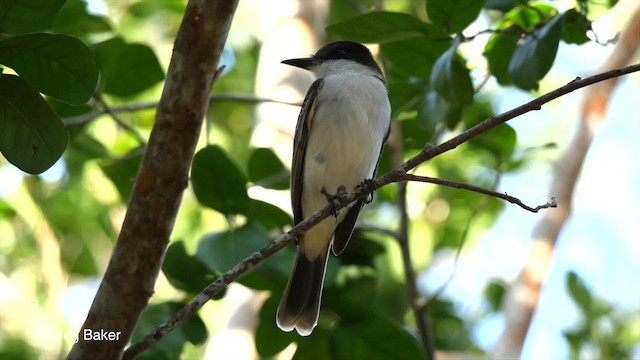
point(341, 52)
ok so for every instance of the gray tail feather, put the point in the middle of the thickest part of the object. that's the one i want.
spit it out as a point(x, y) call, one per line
point(300, 304)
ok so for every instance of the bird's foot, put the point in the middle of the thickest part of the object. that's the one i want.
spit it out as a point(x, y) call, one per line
point(333, 199)
point(368, 186)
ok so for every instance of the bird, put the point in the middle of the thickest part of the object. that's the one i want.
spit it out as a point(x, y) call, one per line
point(341, 130)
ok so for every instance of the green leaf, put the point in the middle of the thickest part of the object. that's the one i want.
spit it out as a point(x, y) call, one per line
point(574, 27)
point(24, 16)
point(435, 111)
point(354, 299)
point(269, 339)
point(454, 15)
point(74, 19)
point(374, 337)
point(379, 27)
point(579, 293)
point(122, 172)
point(527, 16)
point(218, 182)
point(533, 58)
point(270, 216)
point(450, 78)
point(494, 293)
point(222, 250)
point(126, 69)
point(498, 51)
point(501, 5)
point(500, 141)
point(32, 137)
point(403, 97)
point(266, 170)
point(185, 272)
point(361, 251)
point(195, 331)
point(416, 56)
point(57, 65)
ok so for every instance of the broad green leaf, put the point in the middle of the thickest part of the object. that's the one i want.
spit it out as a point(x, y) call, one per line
point(436, 111)
point(126, 69)
point(24, 16)
point(184, 271)
point(170, 346)
point(269, 339)
point(528, 16)
point(374, 337)
point(222, 250)
point(74, 19)
point(361, 250)
point(57, 65)
point(450, 78)
point(574, 27)
point(32, 137)
point(379, 27)
point(403, 97)
point(494, 293)
point(498, 51)
point(218, 182)
point(500, 141)
point(454, 15)
point(533, 58)
point(266, 170)
point(84, 264)
point(270, 216)
point(501, 5)
point(579, 293)
point(416, 56)
point(353, 299)
point(315, 346)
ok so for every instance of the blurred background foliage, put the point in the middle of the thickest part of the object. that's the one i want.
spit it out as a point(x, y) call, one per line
point(57, 228)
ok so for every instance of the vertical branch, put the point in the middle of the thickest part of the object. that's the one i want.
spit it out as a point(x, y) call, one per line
point(524, 295)
point(135, 263)
point(417, 302)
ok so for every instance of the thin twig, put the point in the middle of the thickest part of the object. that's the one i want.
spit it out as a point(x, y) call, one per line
point(82, 119)
point(457, 185)
point(394, 176)
point(106, 109)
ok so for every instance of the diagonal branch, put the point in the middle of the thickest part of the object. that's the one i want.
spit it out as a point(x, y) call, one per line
point(395, 175)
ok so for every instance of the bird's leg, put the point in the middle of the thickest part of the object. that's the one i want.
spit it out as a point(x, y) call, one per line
point(340, 195)
point(331, 199)
point(368, 186)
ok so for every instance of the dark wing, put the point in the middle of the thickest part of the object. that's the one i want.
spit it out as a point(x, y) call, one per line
point(344, 230)
point(305, 121)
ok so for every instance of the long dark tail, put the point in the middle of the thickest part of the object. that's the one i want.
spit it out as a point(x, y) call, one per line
point(300, 304)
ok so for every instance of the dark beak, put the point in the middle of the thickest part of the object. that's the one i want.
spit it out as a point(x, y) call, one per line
point(304, 63)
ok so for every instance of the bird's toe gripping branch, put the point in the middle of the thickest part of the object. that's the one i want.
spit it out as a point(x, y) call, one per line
point(368, 186)
point(340, 195)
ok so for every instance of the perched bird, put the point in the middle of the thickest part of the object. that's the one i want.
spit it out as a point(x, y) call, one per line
point(341, 129)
